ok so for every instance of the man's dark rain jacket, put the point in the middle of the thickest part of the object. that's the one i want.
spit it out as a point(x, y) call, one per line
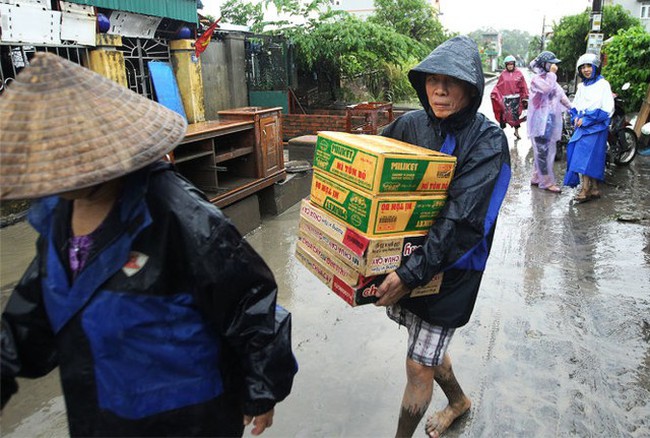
point(459, 241)
point(171, 326)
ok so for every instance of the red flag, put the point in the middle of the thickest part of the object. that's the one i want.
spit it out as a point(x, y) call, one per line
point(202, 42)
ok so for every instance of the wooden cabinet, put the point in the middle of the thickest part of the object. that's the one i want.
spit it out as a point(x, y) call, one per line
point(234, 156)
point(271, 145)
point(268, 133)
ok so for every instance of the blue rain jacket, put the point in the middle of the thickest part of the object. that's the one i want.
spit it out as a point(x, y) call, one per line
point(170, 328)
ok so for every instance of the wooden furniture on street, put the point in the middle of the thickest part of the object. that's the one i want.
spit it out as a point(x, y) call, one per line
point(234, 156)
point(368, 117)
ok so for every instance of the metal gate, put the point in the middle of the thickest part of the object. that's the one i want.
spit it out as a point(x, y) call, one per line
point(13, 58)
point(137, 52)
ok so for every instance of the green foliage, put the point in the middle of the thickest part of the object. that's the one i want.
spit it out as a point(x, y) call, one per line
point(416, 19)
point(534, 47)
point(570, 34)
point(628, 58)
point(352, 46)
point(335, 44)
point(242, 13)
point(515, 43)
point(390, 83)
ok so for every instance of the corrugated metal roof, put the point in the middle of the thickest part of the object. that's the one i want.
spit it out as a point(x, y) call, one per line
point(184, 10)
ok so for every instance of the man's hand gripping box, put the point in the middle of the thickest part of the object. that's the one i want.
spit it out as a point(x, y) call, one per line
point(365, 289)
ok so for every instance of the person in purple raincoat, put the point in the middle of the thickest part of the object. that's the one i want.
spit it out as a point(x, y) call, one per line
point(546, 102)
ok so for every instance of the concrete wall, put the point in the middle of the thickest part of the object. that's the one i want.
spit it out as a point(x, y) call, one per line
point(223, 67)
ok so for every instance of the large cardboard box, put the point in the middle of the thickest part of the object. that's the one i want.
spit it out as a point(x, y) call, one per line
point(379, 164)
point(365, 291)
point(375, 215)
point(366, 255)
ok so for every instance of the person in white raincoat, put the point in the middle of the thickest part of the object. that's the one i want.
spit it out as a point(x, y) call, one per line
point(592, 110)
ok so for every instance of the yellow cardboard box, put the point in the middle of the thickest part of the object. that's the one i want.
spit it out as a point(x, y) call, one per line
point(365, 292)
point(379, 164)
point(366, 255)
point(375, 215)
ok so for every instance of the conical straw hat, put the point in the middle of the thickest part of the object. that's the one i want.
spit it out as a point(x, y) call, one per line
point(64, 127)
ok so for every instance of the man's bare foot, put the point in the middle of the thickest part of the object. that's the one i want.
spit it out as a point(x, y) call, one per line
point(441, 420)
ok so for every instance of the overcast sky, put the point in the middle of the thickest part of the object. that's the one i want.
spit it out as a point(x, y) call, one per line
point(465, 16)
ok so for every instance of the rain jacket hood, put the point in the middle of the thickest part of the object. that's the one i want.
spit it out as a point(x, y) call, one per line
point(457, 57)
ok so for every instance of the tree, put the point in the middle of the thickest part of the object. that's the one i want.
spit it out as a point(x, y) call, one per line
point(533, 47)
point(570, 35)
point(628, 58)
point(416, 19)
point(516, 43)
point(243, 13)
point(349, 46)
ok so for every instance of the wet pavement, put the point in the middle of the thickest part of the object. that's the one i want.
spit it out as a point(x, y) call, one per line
point(558, 345)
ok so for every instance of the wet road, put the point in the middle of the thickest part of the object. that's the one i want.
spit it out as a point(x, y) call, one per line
point(559, 343)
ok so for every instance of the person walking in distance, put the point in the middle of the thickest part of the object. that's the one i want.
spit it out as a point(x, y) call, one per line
point(510, 96)
point(450, 85)
point(545, 106)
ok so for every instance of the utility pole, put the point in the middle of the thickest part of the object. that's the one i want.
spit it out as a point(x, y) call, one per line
point(541, 40)
point(595, 37)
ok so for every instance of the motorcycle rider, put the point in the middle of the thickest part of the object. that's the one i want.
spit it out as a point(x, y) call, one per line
point(593, 107)
point(510, 96)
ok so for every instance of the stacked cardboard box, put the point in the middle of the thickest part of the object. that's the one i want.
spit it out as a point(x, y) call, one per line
point(372, 201)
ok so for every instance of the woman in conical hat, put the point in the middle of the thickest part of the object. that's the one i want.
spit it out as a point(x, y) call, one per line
point(161, 318)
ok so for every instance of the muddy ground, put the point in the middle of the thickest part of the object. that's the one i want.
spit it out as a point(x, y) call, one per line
point(558, 345)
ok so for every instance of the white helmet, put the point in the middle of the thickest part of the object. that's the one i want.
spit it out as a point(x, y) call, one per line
point(588, 58)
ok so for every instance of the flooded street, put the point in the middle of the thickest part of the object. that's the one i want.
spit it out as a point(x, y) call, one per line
point(558, 345)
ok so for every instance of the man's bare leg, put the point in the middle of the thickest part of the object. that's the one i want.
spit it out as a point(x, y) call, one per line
point(459, 403)
point(417, 396)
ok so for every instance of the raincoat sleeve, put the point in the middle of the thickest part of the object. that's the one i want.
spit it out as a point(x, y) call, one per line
point(236, 292)
point(544, 84)
point(564, 100)
point(497, 103)
point(523, 87)
point(28, 347)
point(457, 239)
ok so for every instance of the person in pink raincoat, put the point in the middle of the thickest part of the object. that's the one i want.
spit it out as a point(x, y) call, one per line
point(510, 96)
point(546, 103)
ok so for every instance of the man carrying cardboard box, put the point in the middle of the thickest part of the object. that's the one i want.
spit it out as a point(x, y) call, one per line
point(449, 83)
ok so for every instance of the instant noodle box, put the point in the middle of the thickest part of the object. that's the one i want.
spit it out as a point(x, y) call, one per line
point(375, 215)
point(365, 291)
point(366, 255)
point(379, 164)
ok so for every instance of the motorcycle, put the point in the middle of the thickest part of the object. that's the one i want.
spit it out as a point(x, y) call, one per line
point(567, 132)
point(622, 142)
